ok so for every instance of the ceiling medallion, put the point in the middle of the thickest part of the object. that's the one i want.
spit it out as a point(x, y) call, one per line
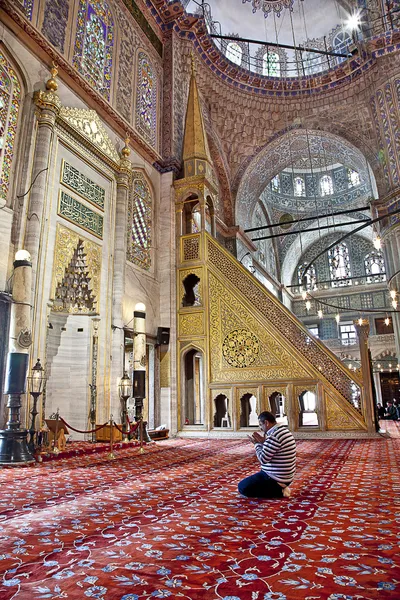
point(268, 6)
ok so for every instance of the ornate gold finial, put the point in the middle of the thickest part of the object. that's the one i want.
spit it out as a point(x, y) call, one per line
point(126, 150)
point(52, 84)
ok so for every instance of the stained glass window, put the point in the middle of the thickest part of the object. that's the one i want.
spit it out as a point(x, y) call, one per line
point(271, 64)
point(10, 98)
point(146, 103)
point(94, 44)
point(348, 335)
point(339, 265)
point(312, 63)
point(375, 267)
point(341, 43)
point(326, 185)
point(353, 178)
point(27, 7)
point(299, 186)
point(311, 276)
point(234, 53)
point(276, 184)
point(140, 217)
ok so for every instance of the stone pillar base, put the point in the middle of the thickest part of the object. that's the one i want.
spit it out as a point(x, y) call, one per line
point(14, 449)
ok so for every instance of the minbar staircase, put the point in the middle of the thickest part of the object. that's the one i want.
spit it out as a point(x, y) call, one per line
point(251, 343)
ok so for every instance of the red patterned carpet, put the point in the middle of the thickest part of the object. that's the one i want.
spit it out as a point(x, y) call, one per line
point(170, 524)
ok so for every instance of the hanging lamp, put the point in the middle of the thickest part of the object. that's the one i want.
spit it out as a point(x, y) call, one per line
point(268, 6)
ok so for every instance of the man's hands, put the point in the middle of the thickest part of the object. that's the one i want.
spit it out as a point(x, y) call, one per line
point(257, 438)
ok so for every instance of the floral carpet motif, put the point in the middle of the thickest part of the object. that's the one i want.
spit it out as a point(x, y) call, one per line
point(170, 524)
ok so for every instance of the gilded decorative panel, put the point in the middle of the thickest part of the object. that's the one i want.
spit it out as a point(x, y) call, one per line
point(299, 389)
point(240, 348)
point(337, 418)
point(229, 318)
point(67, 242)
point(88, 124)
point(198, 290)
point(79, 214)
point(191, 324)
point(82, 185)
point(165, 377)
point(191, 248)
point(191, 344)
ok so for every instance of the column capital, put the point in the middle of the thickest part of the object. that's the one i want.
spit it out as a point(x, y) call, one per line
point(49, 99)
point(362, 329)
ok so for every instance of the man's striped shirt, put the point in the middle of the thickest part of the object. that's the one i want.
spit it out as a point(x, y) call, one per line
point(277, 454)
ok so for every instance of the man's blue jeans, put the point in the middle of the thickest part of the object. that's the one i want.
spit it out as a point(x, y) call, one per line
point(260, 485)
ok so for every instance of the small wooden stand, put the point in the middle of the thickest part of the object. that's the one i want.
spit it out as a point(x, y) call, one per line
point(57, 431)
point(104, 434)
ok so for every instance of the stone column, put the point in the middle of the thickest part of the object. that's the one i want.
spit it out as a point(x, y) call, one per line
point(378, 389)
point(362, 328)
point(392, 260)
point(120, 237)
point(49, 106)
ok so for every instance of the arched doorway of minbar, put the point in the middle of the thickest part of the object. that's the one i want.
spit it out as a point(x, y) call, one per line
point(222, 417)
point(248, 409)
point(193, 399)
point(277, 403)
point(191, 217)
point(308, 406)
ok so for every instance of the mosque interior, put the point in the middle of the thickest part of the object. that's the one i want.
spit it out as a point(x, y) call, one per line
point(230, 175)
point(199, 222)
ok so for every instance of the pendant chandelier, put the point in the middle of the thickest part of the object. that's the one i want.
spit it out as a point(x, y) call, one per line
point(268, 6)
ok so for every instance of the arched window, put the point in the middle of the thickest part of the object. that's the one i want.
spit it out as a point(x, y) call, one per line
point(340, 44)
point(10, 98)
point(353, 178)
point(311, 276)
point(375, 267)
point(140, 216)
point(271, 65)
point(339, 265)
point(94, 44)
point(326, 185)
point(312, 62)
point(276, 184)
point(234, 53)
point(146, 103)
point(299, 187)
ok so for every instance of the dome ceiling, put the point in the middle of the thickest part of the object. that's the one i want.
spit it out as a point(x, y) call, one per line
point(310, 18)
point(294, 148)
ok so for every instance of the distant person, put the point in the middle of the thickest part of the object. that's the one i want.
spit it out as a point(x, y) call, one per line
point(396, 404)
point(276, 450)
point(381, 411)
point(391, 411)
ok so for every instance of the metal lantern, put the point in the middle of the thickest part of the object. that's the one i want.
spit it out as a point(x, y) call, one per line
point(125, 386)
point(36, 379)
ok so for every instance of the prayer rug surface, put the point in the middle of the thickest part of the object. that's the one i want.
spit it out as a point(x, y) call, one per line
point(170, 524)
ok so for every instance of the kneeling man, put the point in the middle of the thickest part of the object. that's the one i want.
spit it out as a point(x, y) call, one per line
point(276, 451)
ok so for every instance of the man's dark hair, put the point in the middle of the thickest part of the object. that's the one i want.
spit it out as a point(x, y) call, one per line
point(266, 416)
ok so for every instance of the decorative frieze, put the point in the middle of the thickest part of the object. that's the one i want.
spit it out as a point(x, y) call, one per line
point(79, 214)
point(82, 185)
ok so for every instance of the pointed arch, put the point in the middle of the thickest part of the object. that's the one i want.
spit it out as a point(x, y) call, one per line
point(94, 44)
point(140, 222)
point(146, 99)
point(10, 104)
